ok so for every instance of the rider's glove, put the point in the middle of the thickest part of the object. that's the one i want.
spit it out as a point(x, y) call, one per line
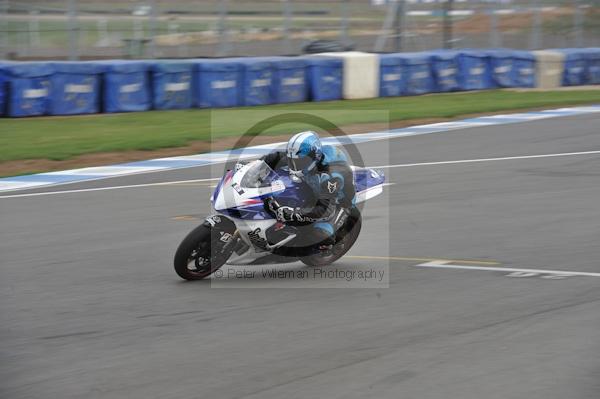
point(281, 213)
point(271, 205)
point(285, 214)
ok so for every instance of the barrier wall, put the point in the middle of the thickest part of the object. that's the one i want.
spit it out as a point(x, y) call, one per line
point(575, 71)
point(217, 83)
point(392, 80)
point(256, 81)
point(502, 68)
point(418, 74)
point(172, 84)
point(66, 88)
point(75, 88)
point(549, 68)
point(2, 95)
point(4, 82)
point(524, 69)
point(474, 70)
point(445, 70)
point(126, 86)
point(406, 74)
point(27, 88)
point(324, 78)
point(593, 65)
point(361, 74)
point(289, 79)
point(510, 68)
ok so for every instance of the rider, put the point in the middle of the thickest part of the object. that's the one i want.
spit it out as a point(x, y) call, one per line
point(327, 180)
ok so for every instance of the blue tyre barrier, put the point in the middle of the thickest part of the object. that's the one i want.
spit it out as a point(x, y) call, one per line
point(418, 74)
point(126, 86)
point(524, 69)
point(67, 88)
point(289, 79)
point(172, 84)
point(256, 81)
point(75, 88)
point(325, 78)
point(510, 68)
point(217, 83)
point(3, 84)
point(592, 56)
point(391, 75)
point(27, 88)
point(444, 64)
point(501, 68)
point(575, 73)
point(474, 70)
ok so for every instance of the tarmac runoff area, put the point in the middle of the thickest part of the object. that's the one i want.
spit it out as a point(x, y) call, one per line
point(486, 240)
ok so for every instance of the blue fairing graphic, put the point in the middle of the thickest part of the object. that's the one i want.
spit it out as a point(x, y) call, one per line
point(291, 195)
point(367, 178)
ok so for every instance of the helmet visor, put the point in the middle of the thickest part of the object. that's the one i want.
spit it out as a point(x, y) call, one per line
point(300, 164)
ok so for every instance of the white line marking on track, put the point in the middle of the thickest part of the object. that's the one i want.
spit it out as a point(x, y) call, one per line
point(406, 165)
point(441, 264)
point(11, 184)
point(84, 190)
point(564, 154)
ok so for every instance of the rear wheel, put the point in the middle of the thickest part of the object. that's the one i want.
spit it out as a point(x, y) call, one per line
point(345, 239)
point(201, 252)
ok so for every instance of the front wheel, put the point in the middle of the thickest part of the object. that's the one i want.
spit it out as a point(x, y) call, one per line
point(202, 251)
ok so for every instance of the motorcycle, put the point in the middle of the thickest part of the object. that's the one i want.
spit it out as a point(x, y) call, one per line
point(242, 231)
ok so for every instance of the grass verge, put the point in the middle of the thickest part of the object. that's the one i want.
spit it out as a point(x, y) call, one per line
point(60, 138)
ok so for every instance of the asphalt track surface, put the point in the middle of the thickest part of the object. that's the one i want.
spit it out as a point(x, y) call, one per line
point(90, 306)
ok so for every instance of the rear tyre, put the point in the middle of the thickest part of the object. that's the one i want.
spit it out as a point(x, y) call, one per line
point(344, 240)
point(201, 252)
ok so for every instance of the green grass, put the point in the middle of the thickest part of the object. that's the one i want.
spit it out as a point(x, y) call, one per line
point(60, 138)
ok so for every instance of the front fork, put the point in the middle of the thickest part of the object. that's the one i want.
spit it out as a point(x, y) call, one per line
point(233, 243)
point(229, 235)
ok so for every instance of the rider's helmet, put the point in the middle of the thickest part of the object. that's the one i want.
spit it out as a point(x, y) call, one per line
point(304, 151)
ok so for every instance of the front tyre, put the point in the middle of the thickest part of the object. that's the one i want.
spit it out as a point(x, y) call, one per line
point(203, 251)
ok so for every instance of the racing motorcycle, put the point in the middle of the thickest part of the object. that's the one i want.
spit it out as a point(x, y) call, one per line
point(242, 231)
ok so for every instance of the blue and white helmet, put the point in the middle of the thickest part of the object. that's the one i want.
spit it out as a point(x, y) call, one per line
point(303, 152)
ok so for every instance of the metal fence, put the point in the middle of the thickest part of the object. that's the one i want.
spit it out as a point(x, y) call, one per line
point(90, 29)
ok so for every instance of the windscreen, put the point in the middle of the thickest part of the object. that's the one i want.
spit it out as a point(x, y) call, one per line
point(259, 175)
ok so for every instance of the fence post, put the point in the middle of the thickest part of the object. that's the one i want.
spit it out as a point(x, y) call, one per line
point(447, 38)
point(399, 24)
point(73, 31)
point(390, 19)
point(103, 37)
point(34, 29)
point(222, 29)
point(495, 34)
point(152, 27)
point(345, 23)
point(537, 24)
point(287, 23)
point(4, 36)
point(578, 23)
point(138, 29)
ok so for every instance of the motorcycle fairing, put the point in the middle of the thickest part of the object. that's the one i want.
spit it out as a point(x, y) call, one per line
point(234, 196)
